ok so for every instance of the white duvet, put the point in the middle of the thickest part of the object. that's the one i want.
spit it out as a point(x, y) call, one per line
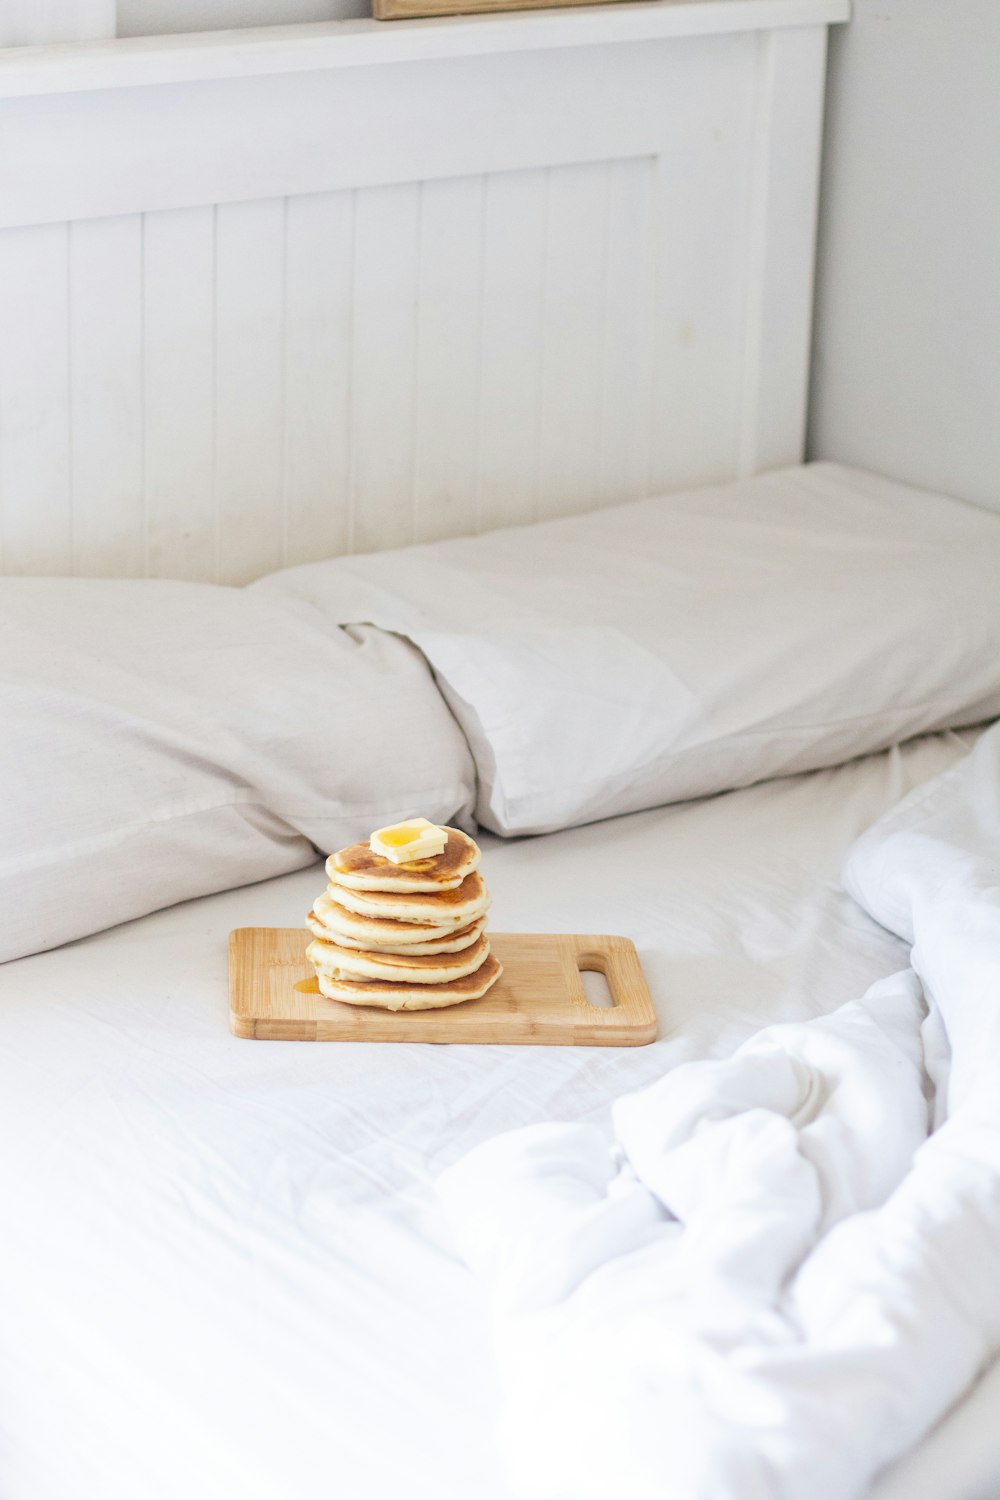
point(779, 1270)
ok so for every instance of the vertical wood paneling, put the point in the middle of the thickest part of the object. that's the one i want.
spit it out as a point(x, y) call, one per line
point(575, 288)
point(178, 310)
point(384, 362)
point(510, 379)
point(267, 383)
point(617, 305)
point(249, 381)
point(105, 321)
point(700, 249)
point(449, 302)
point(627, 337)
point(784, 181)
point(318, 324)
point(36, 522)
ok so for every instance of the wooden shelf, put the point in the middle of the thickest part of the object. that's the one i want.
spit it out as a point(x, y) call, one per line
point(77, 67)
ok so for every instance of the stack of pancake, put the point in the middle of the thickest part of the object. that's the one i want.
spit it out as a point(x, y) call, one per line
point(403, 936)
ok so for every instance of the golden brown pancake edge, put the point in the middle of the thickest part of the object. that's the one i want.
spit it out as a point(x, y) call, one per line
point(431, 907)
point(423, 969)
point(388, 995)
point(358, 868)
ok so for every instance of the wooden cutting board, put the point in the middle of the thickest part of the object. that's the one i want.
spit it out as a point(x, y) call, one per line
point(539, 998)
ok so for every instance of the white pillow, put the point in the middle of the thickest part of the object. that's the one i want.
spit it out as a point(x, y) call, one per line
point(679, 646)
point(163, 740)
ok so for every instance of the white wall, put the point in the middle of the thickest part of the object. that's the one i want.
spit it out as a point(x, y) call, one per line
point(29, 22)
point(23, 22)
point(906, 364)
point(152, 17)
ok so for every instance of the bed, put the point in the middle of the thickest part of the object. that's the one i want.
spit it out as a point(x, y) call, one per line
point(226, 1267)
point(225, 1263)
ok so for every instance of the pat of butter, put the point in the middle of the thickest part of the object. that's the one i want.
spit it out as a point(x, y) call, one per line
point(403, 842)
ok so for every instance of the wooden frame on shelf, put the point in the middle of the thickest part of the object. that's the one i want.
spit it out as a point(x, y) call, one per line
point(402, 10)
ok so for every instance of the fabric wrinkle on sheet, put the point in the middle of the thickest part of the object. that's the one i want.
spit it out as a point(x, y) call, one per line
point(793, 1280)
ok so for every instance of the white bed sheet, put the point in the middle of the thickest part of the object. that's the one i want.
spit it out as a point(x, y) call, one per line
point(223, 1269)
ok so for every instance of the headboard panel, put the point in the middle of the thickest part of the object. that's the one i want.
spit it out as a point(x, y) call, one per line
point(271, 297)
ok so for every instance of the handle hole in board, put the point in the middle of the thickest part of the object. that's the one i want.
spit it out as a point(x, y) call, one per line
point(596, 987)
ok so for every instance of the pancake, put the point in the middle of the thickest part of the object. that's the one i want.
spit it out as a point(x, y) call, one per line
point(358, 869)
point(372, 932)
point(387, 996)
point(459, 906)
point(333, 962)
point(449, 943)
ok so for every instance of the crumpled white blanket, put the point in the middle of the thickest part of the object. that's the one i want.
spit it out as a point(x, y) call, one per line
point(784, 1268)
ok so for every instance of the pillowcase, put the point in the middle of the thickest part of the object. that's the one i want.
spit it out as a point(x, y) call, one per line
point(163, 740)
point(680, 646)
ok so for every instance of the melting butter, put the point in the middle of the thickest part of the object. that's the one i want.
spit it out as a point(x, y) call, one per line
point(403, 842)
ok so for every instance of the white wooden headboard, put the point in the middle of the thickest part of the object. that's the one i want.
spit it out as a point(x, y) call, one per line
point(270, 295)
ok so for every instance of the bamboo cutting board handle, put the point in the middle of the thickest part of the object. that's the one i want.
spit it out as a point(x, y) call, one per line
point(617, 959)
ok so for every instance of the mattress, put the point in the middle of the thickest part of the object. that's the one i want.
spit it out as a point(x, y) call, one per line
point(224, 1268)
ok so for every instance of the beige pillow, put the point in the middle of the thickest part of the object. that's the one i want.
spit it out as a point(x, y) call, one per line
point(679, 646)
point(162, 740)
